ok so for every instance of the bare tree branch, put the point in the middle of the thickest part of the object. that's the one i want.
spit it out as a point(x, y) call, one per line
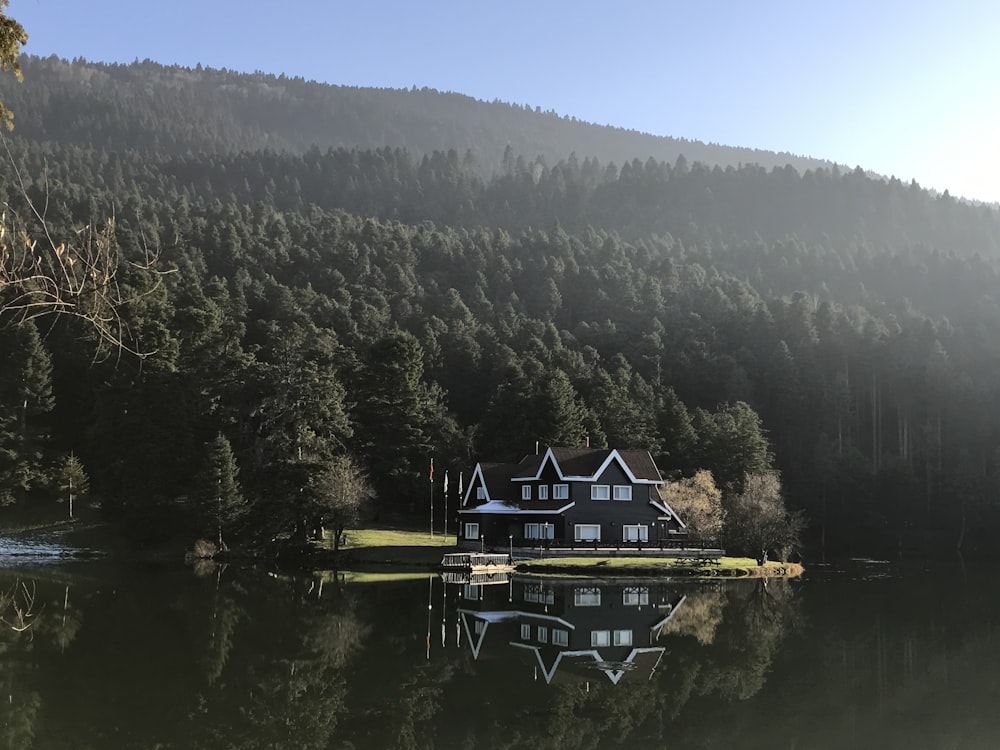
point(17, 607)
point(77, 277)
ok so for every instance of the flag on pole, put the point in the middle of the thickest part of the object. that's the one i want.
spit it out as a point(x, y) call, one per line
point(432, 470)
point(445, 480)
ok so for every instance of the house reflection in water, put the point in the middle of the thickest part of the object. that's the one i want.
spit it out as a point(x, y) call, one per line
point(575, 629)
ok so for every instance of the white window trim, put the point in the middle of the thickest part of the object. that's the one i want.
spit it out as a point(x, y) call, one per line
point(472, 591)
point(623, 489)
point(471, 530)
point(525, 631)
point(635, 596)
point(543, 634)
point(543, 492)
point(596, 489)
point(643, 533)
point(526, 492)
point(622, 638)
point(560, 492)
point(539, 531)
point(537, 594)
point(560, 637)
point(600, 638)
point(576, 532)
point(480, 493)
point(587, 596)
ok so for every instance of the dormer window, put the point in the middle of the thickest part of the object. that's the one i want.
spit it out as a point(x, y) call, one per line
point(526, 492)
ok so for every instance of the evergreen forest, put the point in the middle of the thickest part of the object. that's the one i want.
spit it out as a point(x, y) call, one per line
point(400, 275)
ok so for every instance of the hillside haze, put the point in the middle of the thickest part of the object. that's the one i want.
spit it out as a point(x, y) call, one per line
point(179, 110)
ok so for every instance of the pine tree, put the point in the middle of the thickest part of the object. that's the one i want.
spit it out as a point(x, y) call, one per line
point(26, 396)
point(677, 436)
point(393, 411)
point(73, 480)
point(732, 444)
point(222, 502)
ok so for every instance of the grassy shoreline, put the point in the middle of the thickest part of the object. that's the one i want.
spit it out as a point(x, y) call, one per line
point(403, 551)
point(728, 567)
point(401, 548)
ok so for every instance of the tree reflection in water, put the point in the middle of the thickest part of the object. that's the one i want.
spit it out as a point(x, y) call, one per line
point(19, 702)
point(155, 657)
point(239, 660)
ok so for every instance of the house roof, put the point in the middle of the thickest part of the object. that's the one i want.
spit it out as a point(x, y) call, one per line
point(641, 464)
point(497, 478)
point(588, 462)
point(577, 462)
point(534, 508)
point(640, 662)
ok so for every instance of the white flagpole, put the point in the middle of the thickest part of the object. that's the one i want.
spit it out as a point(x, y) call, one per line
point(446, 502)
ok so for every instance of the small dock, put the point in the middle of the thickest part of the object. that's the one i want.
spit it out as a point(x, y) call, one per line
point(477, 562)
point(486, 577)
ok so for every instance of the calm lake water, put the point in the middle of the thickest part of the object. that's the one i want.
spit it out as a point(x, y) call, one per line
point(867, 656)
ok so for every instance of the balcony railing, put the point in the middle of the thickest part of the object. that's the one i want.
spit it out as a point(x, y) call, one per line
point(682, 543)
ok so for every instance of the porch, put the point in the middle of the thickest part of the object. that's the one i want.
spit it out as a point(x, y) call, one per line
point(678, 546)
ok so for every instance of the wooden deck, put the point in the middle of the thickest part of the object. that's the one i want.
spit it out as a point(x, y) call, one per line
point(477, 561)
point(479, 577)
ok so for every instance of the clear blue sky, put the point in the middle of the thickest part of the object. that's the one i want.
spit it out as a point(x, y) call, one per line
point(902, 87)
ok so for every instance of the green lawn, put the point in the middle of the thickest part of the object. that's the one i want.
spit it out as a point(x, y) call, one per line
point(402, 547)
point(358, 538)
point(397, 546)
point(727, 566)
point(645, 562)
point(368, 577)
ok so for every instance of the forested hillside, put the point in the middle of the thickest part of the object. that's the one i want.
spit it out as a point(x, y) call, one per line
point(397, 305)
point(173, 110)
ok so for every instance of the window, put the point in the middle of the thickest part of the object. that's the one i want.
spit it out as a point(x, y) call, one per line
point(587, 597)
point(543, 634)
point(480, 626)
point(526, 492)
point(539, 531)
point(600, 638)
point(635, 596)
point(480, 493)
point(472, 591)
point(600, 492)
point(525, 632)
point(623, 638)
point(472, 531)
point(536, 594)
point(560, 638)
point(587, 532)
point(560, 492)
point(635, 533)
point(543, 492)
point(623, 492)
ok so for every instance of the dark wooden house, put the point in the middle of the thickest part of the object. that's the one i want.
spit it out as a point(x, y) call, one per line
point(567, 496)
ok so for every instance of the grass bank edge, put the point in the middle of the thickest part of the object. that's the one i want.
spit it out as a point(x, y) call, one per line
point(407, 545)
